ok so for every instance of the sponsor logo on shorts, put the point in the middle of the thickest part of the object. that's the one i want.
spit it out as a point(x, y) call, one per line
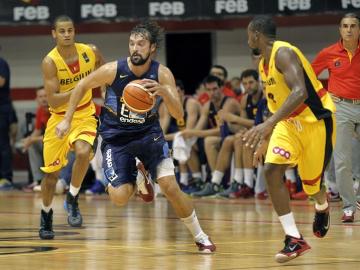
point(108, 158)
point(110, 172)
point(282, 152)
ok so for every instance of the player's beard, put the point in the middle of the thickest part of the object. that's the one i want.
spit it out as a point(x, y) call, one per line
point(141, 61)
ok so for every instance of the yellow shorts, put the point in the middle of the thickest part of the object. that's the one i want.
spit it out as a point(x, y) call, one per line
point(56, 150)
point(307, 145)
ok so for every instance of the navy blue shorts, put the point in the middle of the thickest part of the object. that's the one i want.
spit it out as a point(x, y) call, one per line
point(119, 159)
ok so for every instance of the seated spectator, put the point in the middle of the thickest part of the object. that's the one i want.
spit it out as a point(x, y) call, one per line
point(192, 110)
point(208, 126)
point(222, 73)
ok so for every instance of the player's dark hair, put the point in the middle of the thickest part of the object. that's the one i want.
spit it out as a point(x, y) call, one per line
point(61, 18)
point(222, 68)
point(351, 15)
point(150, 30)
point(211, 79)
point(264, 25)
point(249, 73)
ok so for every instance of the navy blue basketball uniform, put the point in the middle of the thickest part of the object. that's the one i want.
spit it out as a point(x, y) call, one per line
point(126, 134)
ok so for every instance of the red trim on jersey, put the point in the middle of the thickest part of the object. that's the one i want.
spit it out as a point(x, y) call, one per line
point(303, 106)
point(311, 182)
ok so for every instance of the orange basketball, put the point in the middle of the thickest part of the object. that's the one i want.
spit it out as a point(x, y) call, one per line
point(137, 98)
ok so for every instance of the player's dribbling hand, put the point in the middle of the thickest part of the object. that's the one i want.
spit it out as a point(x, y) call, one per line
point(260, 152)
point(153, 87)
point(260, 132)
point(62, 128)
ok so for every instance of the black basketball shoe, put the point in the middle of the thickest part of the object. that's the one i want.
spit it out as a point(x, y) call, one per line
point(72, 207)
point(321, 222)
point(46, 228)
point(294, 247)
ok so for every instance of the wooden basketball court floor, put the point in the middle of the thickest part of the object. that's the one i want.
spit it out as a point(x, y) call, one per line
point(149, 236)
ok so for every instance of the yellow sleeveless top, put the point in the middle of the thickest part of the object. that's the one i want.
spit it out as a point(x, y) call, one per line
point(68, 79)
point(317, 106)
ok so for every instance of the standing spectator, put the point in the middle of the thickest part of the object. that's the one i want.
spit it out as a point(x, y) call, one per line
point(342, 60)
point(6, 173)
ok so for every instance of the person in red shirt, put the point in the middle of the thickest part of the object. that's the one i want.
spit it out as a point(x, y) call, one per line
point(221, 72)
point(342, 60)
point(33, 143)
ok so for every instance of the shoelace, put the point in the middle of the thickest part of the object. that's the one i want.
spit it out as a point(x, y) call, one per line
point(348, 212)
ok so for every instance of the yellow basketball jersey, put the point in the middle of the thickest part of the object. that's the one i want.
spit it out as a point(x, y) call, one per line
point(68, 79)
point(317, 106)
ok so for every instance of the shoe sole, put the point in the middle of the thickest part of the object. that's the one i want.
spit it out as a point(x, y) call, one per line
point(48, 237)
point(282, 258)
point(347, 221)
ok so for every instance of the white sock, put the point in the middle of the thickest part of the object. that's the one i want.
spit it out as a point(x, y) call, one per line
point(74, 190)
point(192, 223)
point(196, 175)
point(46, 208)
point(290, 175)
point(260, 185)
point(239, 175)
point(321, 207)
point(288, 223)
point(249, 177)
point(217, 177)
point(184, 178)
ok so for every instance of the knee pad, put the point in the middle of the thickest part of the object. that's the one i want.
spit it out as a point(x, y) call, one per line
point(165, 168)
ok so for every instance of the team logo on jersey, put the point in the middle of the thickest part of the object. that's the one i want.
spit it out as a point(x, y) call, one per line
point(282, 152)
point(269, 82)
point(86, 58)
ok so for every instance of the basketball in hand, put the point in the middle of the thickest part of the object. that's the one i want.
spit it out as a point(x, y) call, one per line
point(137, 98)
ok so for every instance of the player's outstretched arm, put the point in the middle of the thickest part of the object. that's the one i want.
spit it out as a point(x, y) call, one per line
point(104, 75)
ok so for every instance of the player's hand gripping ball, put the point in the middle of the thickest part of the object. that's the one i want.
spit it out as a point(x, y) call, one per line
point(136, 98)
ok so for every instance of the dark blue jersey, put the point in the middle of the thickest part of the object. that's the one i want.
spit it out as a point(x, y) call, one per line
point(213, 117)
point(262, 112)
point(251, 108)
point(117, 123)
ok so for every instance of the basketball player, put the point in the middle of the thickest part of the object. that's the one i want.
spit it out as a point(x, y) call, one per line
point(127, 135)
point(62, 69)
point(300, 131)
